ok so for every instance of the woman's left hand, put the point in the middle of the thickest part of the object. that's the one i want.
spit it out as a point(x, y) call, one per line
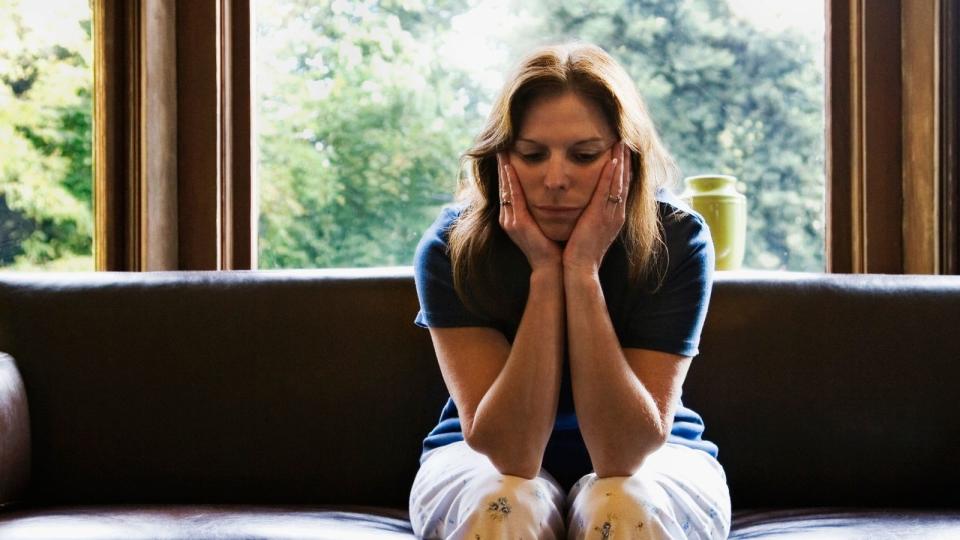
point(601, 221)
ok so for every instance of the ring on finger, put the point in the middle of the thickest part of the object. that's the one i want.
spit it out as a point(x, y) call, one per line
point(506, 202)
point(615, 199)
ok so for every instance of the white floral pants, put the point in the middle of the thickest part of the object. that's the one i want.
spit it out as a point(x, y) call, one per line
point(678, 493)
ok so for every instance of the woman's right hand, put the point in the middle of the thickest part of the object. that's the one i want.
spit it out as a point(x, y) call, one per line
point(516, 221)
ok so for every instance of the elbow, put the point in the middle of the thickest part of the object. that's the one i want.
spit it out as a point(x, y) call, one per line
point(510, 457)
point(618, 462)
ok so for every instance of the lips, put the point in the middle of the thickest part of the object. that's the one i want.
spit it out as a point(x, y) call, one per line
point(558, 211)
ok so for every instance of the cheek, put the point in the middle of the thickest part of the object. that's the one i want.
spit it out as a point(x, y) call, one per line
point(527, 176)
point(591, 175)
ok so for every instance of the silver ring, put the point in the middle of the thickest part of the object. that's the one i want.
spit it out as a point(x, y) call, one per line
point(615, 200)
point(506, 202)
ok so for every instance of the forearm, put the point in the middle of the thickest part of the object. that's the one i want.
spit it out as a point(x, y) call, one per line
point(513, 421)
point(618, 417)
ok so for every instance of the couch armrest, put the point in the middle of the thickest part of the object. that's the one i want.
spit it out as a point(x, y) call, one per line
point(14, 433)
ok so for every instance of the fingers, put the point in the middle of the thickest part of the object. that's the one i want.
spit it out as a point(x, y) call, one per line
point(506, 215)
point(617, 194)
point(602, 190)
point(628, 172)
point(506, 197)
point(518, 198)
point(513, 203)
point(601, 200)
point(616, 190)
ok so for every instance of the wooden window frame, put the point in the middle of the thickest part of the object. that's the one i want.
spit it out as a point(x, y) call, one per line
point(174, 144)
point(172, 137)
point(217, 219)
point(891, 184)
point(950, 133)
point(134, 135)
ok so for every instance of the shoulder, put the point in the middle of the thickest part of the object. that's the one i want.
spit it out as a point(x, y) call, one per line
point(668, 312)
point(440, 303)
point(435, 239)
point(440, 228)
point(683, 228)
point(685, 232)
point(678, 218)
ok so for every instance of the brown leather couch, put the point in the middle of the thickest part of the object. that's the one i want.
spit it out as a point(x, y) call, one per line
point(293, 404)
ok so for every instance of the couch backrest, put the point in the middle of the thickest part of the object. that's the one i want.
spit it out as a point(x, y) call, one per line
point(302, 386)
point(833, 390)
point(316, 387)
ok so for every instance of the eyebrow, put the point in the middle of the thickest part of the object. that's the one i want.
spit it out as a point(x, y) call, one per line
point(584, 141)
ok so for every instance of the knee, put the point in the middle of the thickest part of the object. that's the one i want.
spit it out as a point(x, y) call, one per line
point(625, 505)
point(639, 488)
point(498, 497)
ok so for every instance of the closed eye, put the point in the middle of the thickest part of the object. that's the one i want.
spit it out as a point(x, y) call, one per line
point(583, 157)
point(533, 157)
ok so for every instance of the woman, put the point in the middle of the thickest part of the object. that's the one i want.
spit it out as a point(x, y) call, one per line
point(565, 298)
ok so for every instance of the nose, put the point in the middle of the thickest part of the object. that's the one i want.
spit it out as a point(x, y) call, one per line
point(556, 175)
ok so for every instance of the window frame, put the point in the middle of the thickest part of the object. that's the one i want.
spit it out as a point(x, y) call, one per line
point(217, 198)
point(888, 179)
point(949, 85)
point(172, 139)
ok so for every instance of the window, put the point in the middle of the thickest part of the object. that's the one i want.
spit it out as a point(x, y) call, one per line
point(46, 83)
point(363, 108)
point(174, 177)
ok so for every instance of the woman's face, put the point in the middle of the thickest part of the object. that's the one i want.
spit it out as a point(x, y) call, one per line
point(562, 145)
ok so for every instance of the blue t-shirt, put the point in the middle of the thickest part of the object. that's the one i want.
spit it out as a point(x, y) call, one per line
point(669, 320)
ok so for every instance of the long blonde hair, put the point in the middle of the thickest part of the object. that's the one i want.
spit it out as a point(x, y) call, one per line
point(478, 246)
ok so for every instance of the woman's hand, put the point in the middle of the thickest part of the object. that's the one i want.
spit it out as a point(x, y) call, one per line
point(601, 221)
point(516, 221)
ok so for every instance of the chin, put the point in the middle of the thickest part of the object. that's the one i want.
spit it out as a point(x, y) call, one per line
point(557, 234)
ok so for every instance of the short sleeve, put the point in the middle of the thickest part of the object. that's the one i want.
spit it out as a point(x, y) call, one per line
point(440, 306)
point(671, 318)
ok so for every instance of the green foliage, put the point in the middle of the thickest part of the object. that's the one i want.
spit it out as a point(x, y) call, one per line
point(362, 126)
point(46, 203)
point(359, 134)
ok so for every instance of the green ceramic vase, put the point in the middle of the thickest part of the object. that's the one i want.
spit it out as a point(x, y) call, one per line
point(715, 197)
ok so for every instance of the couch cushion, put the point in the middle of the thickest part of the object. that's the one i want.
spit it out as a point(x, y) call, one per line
point(209, 522)
point(844, 523)
point(359, 523)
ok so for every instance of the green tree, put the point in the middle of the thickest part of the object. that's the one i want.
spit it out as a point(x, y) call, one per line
point(46, 217)
point(360, 129)
point(362, 123)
